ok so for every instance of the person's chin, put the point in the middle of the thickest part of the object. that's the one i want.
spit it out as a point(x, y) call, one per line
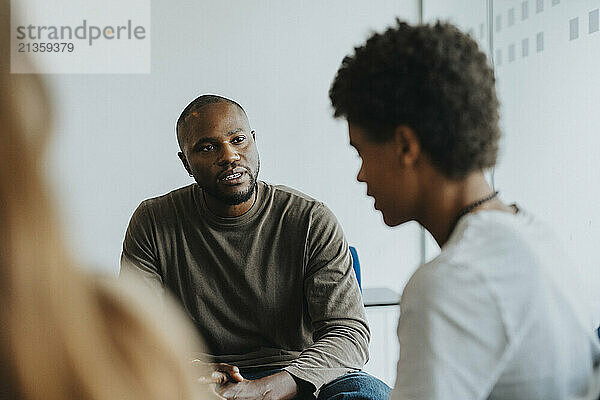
point(236, 195)
point(391, 220)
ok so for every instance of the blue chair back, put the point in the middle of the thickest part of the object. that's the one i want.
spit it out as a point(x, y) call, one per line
point(356, 265)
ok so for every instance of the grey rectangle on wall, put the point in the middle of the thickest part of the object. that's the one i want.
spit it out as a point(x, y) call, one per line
point(539, 42)
point(511, 52)
point(574, 28)
point(498, 23)
point(525, 47)
point(555, 2)
point(498, 59)
point(539, 6)
point(511, 17)
point(593, 21)
point(524, 10)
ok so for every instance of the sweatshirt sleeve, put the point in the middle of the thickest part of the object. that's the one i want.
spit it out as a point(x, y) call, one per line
point(139, 259)
point(340, 330)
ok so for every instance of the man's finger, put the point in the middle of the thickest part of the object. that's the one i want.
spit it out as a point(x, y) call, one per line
point(222, 373)
point(236, 375)
point(231, 370)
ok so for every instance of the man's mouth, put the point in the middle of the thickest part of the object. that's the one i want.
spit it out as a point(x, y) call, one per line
point(233, 177)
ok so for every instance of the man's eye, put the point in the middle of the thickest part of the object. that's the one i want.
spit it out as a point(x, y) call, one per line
point(207, 147)
point(238, 139)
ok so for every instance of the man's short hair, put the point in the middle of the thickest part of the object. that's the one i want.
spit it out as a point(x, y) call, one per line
point(196, 105)
point(432, 78)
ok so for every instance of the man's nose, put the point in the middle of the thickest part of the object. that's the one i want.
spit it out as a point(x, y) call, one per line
point(361, 175)
point(229, 155)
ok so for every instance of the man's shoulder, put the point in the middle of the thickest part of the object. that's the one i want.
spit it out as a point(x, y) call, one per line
point(167, 208)
point(294, 204)
point(283, 193)
point(181, 194)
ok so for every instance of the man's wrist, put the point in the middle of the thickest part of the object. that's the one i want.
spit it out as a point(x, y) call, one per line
point(283, 386)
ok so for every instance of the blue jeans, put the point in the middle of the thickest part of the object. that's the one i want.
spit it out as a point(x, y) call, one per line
point(352, 386)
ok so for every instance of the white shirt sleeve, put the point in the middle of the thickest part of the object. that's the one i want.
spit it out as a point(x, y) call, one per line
point(451, 336)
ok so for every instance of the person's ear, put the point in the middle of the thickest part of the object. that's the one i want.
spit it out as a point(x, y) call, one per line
point(407, 145)
point(185, 163)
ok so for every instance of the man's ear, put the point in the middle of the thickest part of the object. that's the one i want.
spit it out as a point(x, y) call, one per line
point(184, 161)
point(407, 145)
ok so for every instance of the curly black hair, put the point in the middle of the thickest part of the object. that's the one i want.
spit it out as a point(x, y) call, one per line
point(432, 78)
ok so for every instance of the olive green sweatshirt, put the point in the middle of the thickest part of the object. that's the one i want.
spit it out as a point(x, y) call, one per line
point(272, 287)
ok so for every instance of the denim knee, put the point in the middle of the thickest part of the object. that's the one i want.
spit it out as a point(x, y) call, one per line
point(355, 386)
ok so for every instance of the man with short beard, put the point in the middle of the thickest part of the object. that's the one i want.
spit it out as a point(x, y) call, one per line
point(264, 271)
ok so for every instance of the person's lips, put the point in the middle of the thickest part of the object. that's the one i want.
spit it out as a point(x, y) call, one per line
point(374, 200)
point(233, 176)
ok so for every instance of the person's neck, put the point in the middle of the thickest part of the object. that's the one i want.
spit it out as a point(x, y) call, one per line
point(224, 210)
point(446, 199)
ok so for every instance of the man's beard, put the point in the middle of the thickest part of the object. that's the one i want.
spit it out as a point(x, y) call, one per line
point(236, 198)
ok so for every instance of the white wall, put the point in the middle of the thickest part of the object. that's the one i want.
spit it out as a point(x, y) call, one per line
point(116, 143)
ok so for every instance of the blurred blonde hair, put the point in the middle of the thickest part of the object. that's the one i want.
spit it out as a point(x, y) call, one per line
point(63, 334)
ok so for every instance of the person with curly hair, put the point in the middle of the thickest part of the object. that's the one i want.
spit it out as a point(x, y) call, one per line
point(498, 314)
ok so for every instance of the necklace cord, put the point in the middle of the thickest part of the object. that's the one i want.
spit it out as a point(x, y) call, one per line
point(467, 209)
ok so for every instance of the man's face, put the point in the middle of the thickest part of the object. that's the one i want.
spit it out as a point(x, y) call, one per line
point(388, 181)
point(219, 150)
